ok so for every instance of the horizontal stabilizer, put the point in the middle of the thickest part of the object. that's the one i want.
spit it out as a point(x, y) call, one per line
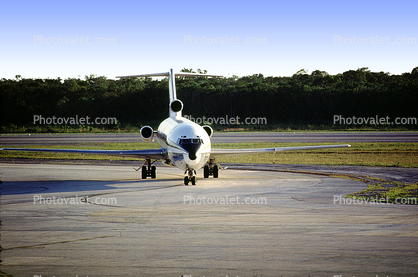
point(171, 86)
point(181, 74)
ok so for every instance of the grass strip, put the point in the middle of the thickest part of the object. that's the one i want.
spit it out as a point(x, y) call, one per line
point(361, 154)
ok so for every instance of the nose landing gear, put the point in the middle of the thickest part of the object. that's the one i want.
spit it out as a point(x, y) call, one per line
point(190, 177)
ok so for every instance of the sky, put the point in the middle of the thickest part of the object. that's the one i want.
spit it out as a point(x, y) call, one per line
point(72, 39)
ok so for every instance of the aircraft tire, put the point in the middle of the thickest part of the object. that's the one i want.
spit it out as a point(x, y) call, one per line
point(144, 172)
point(153, 172)
point(215, 171)
point(206, 171)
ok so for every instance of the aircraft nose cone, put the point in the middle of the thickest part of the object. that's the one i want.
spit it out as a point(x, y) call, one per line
point(191, 146)
point(192, 156)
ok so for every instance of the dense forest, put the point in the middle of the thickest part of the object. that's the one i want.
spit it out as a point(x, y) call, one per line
point(311, 98)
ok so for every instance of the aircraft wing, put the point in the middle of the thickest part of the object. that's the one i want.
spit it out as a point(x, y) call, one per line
point(216, 153)
point(156, 154)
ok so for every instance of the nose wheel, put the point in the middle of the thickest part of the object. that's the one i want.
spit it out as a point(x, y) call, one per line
point(190, 177)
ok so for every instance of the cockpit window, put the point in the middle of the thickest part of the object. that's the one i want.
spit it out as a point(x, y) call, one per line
point(191, 145)
point(190, 141)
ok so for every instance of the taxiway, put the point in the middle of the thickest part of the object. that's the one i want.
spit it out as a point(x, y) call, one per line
point(95, 220)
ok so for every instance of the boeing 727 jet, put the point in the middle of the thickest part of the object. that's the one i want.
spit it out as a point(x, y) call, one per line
point(183, 143)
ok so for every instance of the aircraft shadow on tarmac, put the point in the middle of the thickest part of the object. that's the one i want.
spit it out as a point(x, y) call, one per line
point(68, 186)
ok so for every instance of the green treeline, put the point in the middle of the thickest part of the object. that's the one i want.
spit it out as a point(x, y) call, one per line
point(303, 97)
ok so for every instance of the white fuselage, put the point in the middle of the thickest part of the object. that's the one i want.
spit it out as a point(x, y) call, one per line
point(187, 143)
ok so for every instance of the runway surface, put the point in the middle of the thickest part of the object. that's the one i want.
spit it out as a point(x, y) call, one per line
point(285, 224)
point(273, 137)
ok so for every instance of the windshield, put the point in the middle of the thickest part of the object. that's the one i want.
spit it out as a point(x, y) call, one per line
point(191, 145)
point(190, 141)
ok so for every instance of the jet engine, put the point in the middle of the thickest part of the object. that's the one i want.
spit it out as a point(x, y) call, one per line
point(208, 130)
point(176, 106)
point(147, 133)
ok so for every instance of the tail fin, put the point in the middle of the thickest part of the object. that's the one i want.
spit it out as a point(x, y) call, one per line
point(175, 106)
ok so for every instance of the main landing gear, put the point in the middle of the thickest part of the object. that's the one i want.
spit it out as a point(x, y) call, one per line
point(190, 177)
point(148, 170)
point(211, 168)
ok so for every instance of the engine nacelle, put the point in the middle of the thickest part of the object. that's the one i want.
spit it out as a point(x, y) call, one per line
point(208, 130)
point(176, 106)
point(147, 133)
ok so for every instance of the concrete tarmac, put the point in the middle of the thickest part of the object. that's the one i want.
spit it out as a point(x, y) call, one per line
point(90, 220)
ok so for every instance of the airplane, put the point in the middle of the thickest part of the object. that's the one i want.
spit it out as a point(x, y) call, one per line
point(183, 143)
